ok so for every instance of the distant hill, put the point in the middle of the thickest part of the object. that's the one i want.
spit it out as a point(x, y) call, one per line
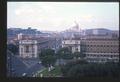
point(15, 31)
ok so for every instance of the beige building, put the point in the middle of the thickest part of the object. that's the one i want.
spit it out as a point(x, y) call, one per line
point(95, 49)
point(28, 48)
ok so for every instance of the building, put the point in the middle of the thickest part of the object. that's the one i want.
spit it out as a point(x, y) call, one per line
point(28, 48)
point(98, 31)
point(101, 50)
point(95, 48)
point(19, 36)
point(73, 44)
point(31, 47)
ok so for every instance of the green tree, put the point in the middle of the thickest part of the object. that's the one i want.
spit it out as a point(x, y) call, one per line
point(47, 57)
point(84, 69)
point(64, 54)
point(79, 55)
point(65, 68)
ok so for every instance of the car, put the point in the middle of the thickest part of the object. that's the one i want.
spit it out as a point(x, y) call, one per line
point(24, 74)
point(12, 70)
point(39, 62)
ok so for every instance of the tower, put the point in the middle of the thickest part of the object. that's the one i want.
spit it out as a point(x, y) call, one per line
point(20, 36)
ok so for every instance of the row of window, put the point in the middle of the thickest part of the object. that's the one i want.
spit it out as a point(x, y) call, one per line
point(101, 49)
point(102, 60)
point(98, 51)
point(85, 46)
point(27, 50)
point(101, 45)
point(92, 55)
point(101, 42)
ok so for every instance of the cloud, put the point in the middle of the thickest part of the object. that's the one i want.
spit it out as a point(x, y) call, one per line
point(24, 11)
point(59, 16)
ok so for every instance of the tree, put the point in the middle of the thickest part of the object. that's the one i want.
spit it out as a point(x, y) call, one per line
point(84, 69)
point(47, 57)
point(65, 68)
point(64, 53)
point(13, 48)
point(78, 55)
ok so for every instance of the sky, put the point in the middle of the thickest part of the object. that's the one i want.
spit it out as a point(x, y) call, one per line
point(59, 16)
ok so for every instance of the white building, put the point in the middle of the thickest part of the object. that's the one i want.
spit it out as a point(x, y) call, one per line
point(20, 36)
point(28, 48)
point(74, 45)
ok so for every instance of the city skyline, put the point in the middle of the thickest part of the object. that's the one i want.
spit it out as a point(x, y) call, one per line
point(59, 16)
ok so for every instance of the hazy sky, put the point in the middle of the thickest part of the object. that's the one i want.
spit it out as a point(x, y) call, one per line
point(58, 16)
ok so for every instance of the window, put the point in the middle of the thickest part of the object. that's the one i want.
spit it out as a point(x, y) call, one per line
point(87, 54)
point(76, 42)
point(97, 55)
point(27, 49)
point(76, 49)
point(94, 55)
point(116, 55)
point(96, 45)
point(32, 49)
point(111, 56)
point(32, 55)
point(104, 55)
point(21, 50)
point(108, 55)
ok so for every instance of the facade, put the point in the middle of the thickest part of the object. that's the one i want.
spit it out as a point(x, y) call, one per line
point(72, 44)
point(28, 48)
point(32, 47)
point(95, 49)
